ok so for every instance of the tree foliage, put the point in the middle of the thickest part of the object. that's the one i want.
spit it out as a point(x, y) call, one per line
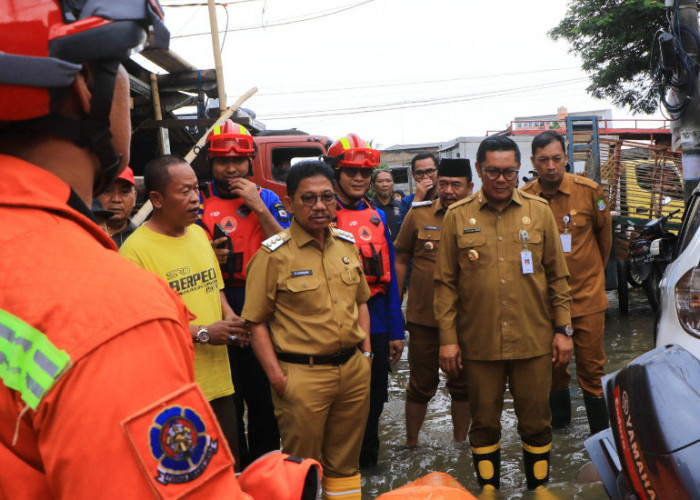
point(614, 39)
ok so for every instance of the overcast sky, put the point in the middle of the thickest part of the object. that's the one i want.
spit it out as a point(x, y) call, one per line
point(393, 71)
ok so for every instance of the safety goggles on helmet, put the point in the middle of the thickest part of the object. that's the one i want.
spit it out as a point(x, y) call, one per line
point(360, 157)
point(225, 144)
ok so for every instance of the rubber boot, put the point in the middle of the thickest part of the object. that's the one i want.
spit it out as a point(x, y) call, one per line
point(560, 405)
point(536, 460)
point(487, 463)
point(345, 488)
point(597, 414)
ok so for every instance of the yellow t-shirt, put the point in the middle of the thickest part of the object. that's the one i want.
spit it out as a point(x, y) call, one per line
point(188, 264)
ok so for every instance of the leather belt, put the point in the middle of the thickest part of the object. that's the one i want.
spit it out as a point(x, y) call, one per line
point(337, 359)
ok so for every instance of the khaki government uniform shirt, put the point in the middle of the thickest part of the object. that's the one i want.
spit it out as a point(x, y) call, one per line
point(483, 301)
point(591, 239)
point(309, 295)
point(420, 237)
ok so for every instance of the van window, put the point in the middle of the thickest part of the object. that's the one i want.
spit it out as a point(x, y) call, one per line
point(690, 226)
point(284, 158)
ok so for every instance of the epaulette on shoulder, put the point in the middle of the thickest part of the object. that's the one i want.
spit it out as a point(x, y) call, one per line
point(585, 181)
point(463, 201)
point(420, 204)
point(533, 197)
point(527, 187)
point(276, 241)
point(343, 235)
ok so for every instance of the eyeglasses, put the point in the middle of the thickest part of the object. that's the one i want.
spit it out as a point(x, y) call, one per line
point(422, 173)
point(226, 143)
point(352, 172)
point(492, 174)
point(309, 200)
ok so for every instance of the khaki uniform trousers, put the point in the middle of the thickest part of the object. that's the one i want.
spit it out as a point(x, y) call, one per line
point(589, 354)
point(528, 380)
point(424, 364)
point(323, 411)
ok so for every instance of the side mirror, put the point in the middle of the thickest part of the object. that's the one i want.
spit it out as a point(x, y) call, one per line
point(661, 250)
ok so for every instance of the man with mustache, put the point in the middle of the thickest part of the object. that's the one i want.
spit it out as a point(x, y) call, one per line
point(310, 288)
point(119, 199)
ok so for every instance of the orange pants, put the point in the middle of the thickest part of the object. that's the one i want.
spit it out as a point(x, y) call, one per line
point(589, 353)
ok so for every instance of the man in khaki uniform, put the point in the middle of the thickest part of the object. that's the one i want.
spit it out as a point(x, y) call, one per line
point(307, 282)
point(585, 229)
point(502, 303)
point(418, 240)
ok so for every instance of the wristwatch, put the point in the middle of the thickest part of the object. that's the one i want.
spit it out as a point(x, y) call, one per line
point(202, 336)
point(368, 354)
point(567, 330)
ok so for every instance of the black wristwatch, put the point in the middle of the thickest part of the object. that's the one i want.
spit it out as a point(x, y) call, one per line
point(202, 336)
point(567, 330)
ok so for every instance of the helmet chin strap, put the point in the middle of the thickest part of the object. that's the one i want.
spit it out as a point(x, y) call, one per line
point(92, 131)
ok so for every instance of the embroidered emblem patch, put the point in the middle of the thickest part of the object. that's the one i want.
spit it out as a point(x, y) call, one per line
point(375, 220)
point(229, 224)
point(600, 203)
point(180, 444)
point(472, 230)
point(365, 233)
point(282, 214)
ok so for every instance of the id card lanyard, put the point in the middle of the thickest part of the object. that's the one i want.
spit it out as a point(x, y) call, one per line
point(566, 237)
point(526, 255)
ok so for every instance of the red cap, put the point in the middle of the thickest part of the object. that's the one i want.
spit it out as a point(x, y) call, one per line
point(128, 176)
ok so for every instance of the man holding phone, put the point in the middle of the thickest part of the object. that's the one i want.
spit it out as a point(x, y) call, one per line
point(245, 215)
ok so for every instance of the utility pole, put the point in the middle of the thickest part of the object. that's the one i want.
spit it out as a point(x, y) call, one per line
point(687, 127)
point(217, 55)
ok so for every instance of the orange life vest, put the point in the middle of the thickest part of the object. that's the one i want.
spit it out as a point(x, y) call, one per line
point(242, 226)
point(368, 229)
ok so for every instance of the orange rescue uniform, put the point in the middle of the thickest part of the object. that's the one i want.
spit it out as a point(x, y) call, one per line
point(125, 404)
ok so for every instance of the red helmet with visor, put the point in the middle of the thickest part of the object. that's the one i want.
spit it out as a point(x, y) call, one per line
point(230, 139)
point(351, 151)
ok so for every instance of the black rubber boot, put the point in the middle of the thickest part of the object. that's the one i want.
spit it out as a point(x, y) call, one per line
point(560, 405)
point(487, 462)
point(597, 414)
point(536, 460)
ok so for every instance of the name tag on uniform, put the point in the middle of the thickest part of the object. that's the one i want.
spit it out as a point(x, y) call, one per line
point(526, 262)
point(306, 272)
point(431, 228)
point(565, 242)
point(472, 230)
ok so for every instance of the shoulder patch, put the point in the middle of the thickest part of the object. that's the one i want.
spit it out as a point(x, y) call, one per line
point(533, 197)
point(343, 235)
point(276, 241)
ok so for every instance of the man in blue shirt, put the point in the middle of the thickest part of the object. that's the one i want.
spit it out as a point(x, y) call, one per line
point(353, 161)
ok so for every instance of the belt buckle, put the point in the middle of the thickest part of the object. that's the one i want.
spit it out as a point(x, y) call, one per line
point(336, 358)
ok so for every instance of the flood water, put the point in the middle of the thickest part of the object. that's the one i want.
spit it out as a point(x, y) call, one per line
point(626, 337)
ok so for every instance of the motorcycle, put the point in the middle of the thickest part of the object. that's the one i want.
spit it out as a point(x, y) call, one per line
point(650, 252)
point(652, 448)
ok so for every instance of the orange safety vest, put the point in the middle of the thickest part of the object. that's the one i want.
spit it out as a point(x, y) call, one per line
point(242, 226)
point(369, 232)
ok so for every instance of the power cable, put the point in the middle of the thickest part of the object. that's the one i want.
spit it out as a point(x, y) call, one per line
point(433, 101)
point(405, 83)
point(284, 22)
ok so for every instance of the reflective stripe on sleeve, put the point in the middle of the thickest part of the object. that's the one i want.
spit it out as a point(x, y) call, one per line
point(29, 363)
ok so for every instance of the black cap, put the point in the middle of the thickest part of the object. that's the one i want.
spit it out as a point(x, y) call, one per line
point(455, 167)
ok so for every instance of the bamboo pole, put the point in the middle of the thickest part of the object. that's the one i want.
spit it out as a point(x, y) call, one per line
point(217, 55)
point(146, 209)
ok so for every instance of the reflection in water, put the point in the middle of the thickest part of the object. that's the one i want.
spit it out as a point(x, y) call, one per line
point(626, 337)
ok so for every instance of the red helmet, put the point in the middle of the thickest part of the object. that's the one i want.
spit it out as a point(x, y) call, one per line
point(43, 44)
point(351, 151)
point(230, 139)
